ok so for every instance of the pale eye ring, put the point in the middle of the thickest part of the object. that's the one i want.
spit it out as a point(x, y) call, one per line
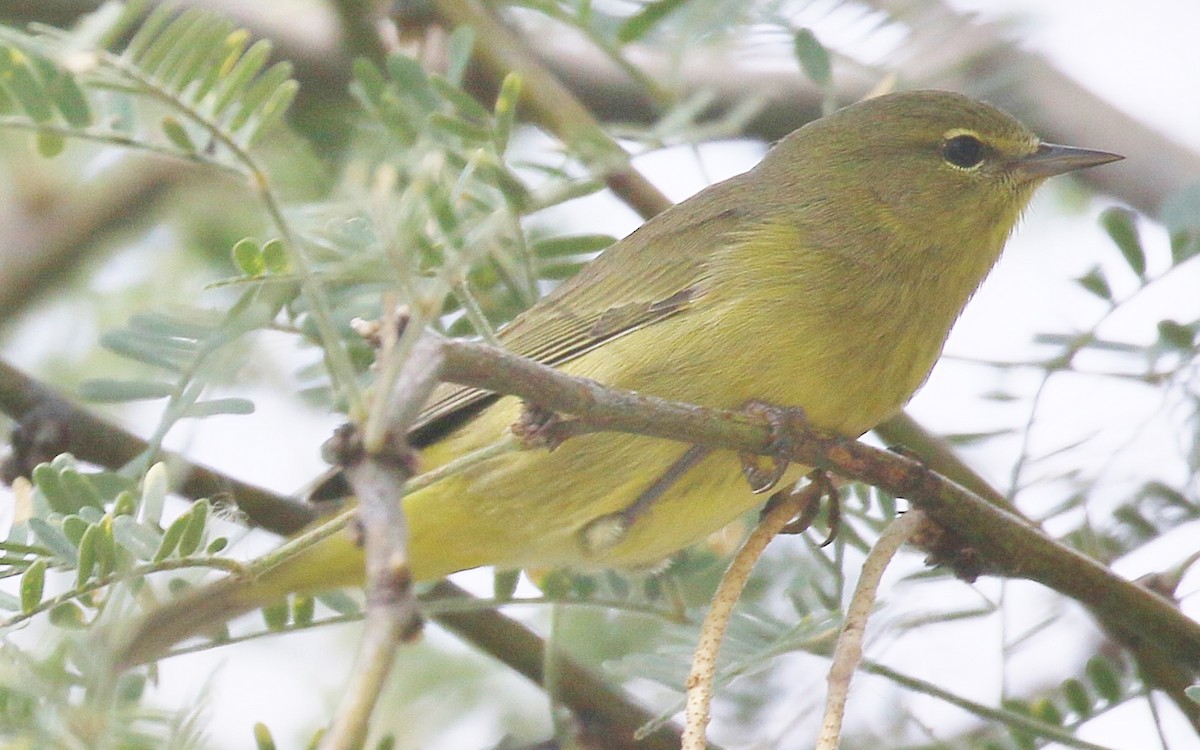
point(963, 151)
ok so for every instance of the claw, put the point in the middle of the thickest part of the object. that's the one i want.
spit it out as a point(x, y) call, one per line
point(762, 480)
point(819, 486)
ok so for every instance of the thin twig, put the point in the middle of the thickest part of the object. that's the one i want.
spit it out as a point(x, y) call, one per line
point(848, 652)
point(1009, 718)
point(712, 632)
point(378, 479)
point(137, 571)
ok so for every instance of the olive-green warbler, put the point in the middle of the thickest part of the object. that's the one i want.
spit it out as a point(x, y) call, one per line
point(827, 278)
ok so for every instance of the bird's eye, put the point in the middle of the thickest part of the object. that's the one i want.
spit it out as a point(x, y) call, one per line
point(964, 151)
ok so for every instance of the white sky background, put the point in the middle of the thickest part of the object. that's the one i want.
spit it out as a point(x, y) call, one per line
point(1145, 59)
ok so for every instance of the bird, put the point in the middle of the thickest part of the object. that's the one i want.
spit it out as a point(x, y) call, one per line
point(827, 278)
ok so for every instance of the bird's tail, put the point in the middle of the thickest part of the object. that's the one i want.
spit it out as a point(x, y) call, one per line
point(329, 564)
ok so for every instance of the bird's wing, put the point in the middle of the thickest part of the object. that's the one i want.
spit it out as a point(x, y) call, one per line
point(633, 284)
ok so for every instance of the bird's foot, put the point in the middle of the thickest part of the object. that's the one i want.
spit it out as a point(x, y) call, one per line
point(810, 495)
point(778, 418)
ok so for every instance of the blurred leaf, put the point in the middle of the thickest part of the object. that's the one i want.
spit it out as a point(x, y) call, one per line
point(1045, 710)
point(218, 406)
point(303, 609)
point(274, 256)
point(559, 271)
point(158, 352)
point(58, 497)
point(66, 94)
point(88, 554)
point(233, 83)
point(73, 528)
point(1077, 697)
point(458, 53)
point(276, 616)
point(262, 737)
point(50, 145)
point(109, 391)
point(639, 24)
point(1104, 678)
point(812, 56)
point(1176, 336)
point(505, 110)
point(68, 615)
point(170, 539)
point(1095, 282)
point(142, 541)
point(462, 101)
point(20, 81)
point(247, 257)
point(459, 128)
point(181, 324)
point(261, 91)
point(33, 584)
point(106, 548)
point(1121, 226)
point(54, 540)
point(1086, 341)
point(154, 493)
point(1184, 245)
point(504, 584)
point(125, 504)
point(576, 244)
point(964, 439)
point(340, 602)
point(193, 532)
point(81, 489)
point(410, 78)
point(177, 134)
point(271, 111)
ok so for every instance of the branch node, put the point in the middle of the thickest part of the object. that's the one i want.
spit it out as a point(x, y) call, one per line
point(946, 547)
point(344, 448)
point(539, 427)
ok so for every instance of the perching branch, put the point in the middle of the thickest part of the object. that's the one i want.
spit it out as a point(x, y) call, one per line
point(1006, 544)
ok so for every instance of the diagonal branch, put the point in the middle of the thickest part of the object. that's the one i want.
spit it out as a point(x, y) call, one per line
point(48, 237)
point(97, 441)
